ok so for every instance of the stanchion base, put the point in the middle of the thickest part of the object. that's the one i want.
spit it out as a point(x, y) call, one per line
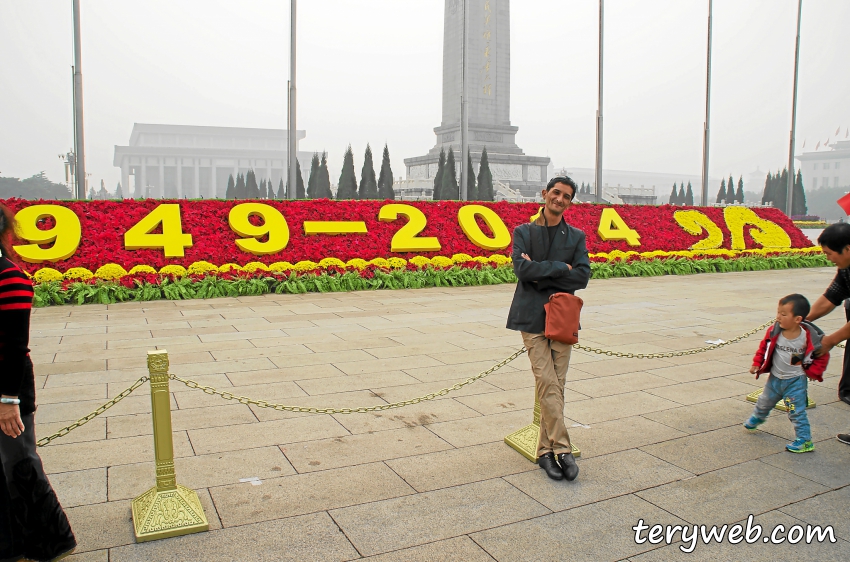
point(524, 441)
point(754, 397)
point(160, 515)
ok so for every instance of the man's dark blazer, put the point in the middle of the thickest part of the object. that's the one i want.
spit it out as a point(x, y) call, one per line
point(547, 272)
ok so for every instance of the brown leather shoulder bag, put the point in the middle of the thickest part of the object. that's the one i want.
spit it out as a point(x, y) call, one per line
point(563, 312)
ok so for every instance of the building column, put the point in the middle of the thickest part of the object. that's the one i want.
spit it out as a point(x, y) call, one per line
point(161, 188)
point(197, 190)
point(125, 178)
point(180, 178)
point(213, 191)
point(144, 189)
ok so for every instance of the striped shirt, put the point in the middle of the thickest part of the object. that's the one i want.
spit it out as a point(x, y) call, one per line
point(16, 375)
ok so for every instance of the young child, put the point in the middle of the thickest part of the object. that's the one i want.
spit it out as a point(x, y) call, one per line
point(788, 353)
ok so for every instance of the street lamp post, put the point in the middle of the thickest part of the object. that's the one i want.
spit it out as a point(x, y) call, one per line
point(464, 117)
point(79, 137)
point(790, 196)
point(707, 113)
point(598, 194)
point(292, 149)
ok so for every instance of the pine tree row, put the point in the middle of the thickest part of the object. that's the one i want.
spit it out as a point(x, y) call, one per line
point(776, 192)
point(446, 182)
point(680, 196)
point(727, 194)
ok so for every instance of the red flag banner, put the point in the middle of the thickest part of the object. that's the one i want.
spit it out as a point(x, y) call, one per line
point(844, 203)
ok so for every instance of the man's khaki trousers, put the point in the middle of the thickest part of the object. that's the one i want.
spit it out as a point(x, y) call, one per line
point(549, 363)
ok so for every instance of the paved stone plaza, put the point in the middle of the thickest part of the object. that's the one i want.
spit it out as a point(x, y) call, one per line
point(661, 440)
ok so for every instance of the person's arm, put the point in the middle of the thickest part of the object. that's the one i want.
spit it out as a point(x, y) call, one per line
point(579, 274)
point(820, 308)
point(758, 359)
point(527, 270)
point(15, 305)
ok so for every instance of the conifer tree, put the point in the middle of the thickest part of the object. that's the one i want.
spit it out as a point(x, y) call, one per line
point(721, 195)
point(368, 183)
point(323, 184)
point(471, 189)
point(231, 189)
point(680, 200)
point(767, 195)
point(119, 193)
point(252, 190)
point(780, 190)
point(674, 195)
point(299, 182)
point(91, 194)
point(314, 176)
point(799, 199)
point(269, 190)
point(438, 178)
point(739, 195)
point(730, 190)
point(689, 195)
point(485, 178)
point(347, 180)
point(385, 177)
point(262, 189)
point(449, 188)
point(281, 193)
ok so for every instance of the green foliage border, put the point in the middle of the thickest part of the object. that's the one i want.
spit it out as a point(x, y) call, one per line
point(109, 292)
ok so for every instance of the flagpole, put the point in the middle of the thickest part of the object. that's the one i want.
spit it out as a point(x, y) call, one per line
point(707, 113)
point(789, 198)
point(598, 194)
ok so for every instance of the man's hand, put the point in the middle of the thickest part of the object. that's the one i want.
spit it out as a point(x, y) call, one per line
point(826, 344)
point(10, 420)
point(754, 369)
point(525, 256)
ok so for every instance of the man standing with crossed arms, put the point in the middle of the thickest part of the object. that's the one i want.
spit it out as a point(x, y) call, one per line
point(549, 256)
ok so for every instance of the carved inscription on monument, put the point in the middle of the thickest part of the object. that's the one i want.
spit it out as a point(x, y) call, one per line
point(488, 137)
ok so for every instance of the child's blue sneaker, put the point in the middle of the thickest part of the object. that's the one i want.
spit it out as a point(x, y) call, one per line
point(752, 423)
point(800, 445)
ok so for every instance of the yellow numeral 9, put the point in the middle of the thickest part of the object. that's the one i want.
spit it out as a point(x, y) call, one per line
point(501, 237)
point(273, 224)
point(407, 239)
point(65, 236)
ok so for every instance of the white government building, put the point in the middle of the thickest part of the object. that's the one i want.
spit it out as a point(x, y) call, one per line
point(827, 168)
point(185, 161)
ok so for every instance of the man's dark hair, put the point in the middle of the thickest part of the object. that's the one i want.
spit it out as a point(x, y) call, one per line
point(836, 236)
point(566, 180)
point(799, 304)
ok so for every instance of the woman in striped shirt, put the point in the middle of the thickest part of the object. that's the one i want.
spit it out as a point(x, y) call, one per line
point(32, 523)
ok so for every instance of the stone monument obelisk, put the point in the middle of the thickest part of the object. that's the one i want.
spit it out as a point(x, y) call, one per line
point(489, 95)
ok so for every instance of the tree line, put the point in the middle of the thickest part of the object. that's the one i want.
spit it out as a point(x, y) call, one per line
point(776, 192)
point(446, 182)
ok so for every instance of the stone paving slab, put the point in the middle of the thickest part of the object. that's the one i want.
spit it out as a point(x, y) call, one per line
point(435, 481)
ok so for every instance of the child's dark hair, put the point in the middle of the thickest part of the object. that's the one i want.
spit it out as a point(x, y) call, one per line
point(7, 231)
point(799, 304)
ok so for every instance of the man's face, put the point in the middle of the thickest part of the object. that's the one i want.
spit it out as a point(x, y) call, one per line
point(840, 259)
point(558, 199)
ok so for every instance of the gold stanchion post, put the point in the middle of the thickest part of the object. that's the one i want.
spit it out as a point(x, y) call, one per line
point(524, 440)
point(168, 509)
point(781, 406)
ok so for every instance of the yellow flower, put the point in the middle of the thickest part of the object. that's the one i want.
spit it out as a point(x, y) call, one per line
point(442, 261)
point(46, 274)
point(202, 268)
point(176, 270)
point(420, 261)
point(254, 266)
point(331, 262)
point(280, 266)
point(397, 263)
point(461, 258)
point(79, 274)
point(110, 272)
point(305, 265)
point(228, 267)
point(499, 259)
point(380, 262)
point(481, 260)
point(136, 269)
point(357, 263)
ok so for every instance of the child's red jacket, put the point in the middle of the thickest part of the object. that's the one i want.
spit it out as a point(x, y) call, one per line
point(812, 366)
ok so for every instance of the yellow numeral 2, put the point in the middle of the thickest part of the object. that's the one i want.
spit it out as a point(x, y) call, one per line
point(407, 239)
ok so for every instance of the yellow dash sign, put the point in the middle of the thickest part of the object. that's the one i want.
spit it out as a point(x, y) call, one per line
point(334, 227)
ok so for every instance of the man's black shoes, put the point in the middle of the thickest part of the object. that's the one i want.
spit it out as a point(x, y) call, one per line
point(845, 398)
point(548, 463)
point(568, 465)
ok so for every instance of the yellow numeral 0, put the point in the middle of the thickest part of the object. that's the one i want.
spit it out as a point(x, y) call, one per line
point(65, 235)
point(273, 224)
point(172, 240)
point(466, 217)
point(406, 239)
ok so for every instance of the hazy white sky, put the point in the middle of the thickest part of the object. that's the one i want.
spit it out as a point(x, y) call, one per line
point(370, 71)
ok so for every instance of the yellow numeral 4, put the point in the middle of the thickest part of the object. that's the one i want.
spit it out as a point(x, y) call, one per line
point(65, 235)
point(172, 240)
